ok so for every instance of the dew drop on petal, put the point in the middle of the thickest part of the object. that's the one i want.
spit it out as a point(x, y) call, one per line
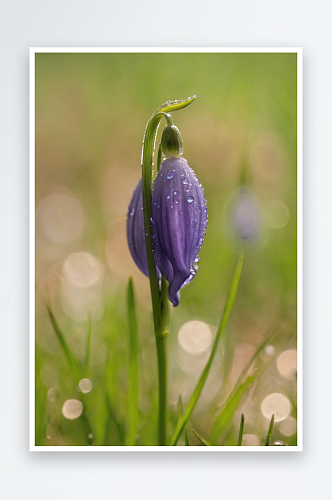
point(168, 197)
point(72, 409)
point(190, 199)
point(175, 192)
point(170, 175)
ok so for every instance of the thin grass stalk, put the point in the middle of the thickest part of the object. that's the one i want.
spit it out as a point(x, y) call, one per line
point(133, 390)
point(239, 442)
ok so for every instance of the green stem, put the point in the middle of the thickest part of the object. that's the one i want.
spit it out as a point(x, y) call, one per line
point(161, 340)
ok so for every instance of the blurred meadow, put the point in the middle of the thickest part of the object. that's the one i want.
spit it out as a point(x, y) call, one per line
point(240, 137)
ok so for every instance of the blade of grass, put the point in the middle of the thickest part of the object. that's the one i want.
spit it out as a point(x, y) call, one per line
point(239, 442)
point(75, 368)
point(179, 407)
point(236, 391)
point(223, 323)
point(118, 426)
point(202, 440)
point(88, 348)
point(72, 362)
point(269, 432)
point(228, 409)
point(133, 389)
point(186, 441)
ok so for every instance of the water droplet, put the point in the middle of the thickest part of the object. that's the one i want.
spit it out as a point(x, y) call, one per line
point(168, 197)
point(132, 212)
point(152, 221)
point(170, 175)
point(190, 199)
point(196, 258)
point(175, 192)
point(155, 203)
point(185, 181)
point(279, 443)
point(186, 187)
point(153, 236)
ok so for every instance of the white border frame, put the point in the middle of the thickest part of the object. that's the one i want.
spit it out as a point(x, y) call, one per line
point(299, 52)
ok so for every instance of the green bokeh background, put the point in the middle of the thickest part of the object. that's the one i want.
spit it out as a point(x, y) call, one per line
point(91, 112)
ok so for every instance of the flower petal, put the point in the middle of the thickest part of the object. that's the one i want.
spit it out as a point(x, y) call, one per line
point(179, 214)
point(135, 230)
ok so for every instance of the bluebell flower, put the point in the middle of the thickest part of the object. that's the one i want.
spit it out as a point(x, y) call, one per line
point(179, 221)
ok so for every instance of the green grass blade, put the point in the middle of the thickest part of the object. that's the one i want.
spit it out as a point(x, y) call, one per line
point(269, 432)
point(228, 409)
point(235, 396)
point(202, 440)
point(133, 389)
point(88, 347)
point(186, 441)
point(179, 407)
point(251, 361)
point(223, 323)
point(239, 442)
point(72, 362)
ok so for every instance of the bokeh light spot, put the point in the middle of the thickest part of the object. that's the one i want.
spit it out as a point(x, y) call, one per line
point(195, 337)
point(82, 269)
point(276, 404)
point(288, 426)
point(85, 385)
point(287, 364)
point(250, 440)
point(60, 218)
point(72, 409)
point(269, 350)
point(277, 214)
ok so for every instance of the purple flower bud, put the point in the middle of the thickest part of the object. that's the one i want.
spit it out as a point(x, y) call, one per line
point(135, 230)
point(179, 217)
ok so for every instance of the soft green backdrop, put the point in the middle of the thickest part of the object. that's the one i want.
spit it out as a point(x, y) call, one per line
point(91, 112)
